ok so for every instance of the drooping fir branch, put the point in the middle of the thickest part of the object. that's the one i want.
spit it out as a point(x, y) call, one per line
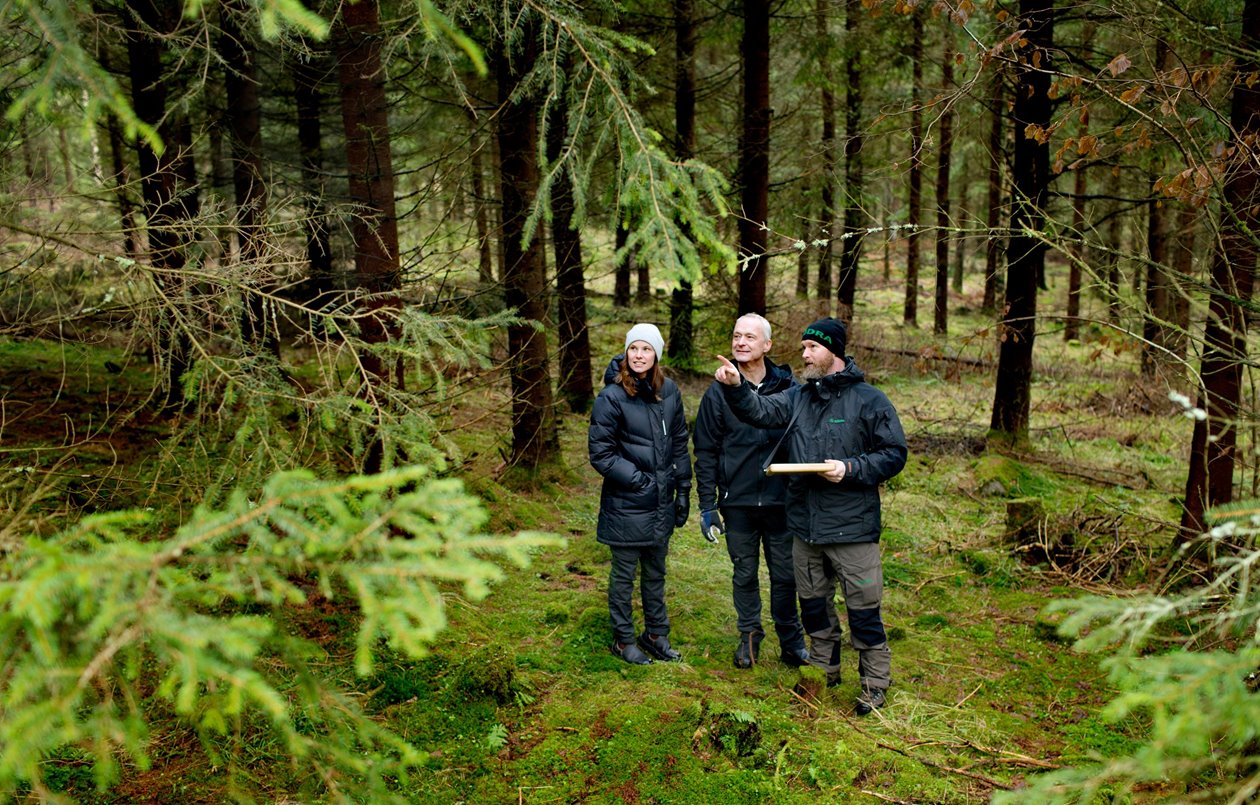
point(98, 618)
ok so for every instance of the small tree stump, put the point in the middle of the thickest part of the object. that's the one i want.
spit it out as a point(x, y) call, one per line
point(1024, 519)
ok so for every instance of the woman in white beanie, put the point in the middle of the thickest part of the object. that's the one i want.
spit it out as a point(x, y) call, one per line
point(638, 443)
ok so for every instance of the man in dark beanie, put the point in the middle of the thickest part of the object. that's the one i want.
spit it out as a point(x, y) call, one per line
point(837, 419)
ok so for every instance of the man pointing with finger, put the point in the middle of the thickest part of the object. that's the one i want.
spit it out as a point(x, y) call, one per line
point(839, 419)
point(730, 457)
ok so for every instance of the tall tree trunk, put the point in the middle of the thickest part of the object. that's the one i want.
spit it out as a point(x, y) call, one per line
point(118, 166)
point(1183, 251)
point(1113, 241)
point(1155, 308)
point(643, 284)
point(534, 440)
point(481, 218)
point(940, 319)
point(1025, 252)
point(802, 271)
point(624, 268)
point(1210, 479)
point(575, 344)
point(754, 157)
point(169, 202)
point(854, 186)
point(308, 76)
point(244, 117)
point(1072, 321)
point(962, 212)
point(914, 211)
point(827, 100)
point(369, 162)
point(997, 158)
point(682, 348)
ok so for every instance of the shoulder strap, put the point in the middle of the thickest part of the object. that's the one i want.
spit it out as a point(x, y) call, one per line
point(796, 411)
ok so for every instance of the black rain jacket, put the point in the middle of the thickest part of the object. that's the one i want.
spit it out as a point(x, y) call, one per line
point(730, 453)
point(841, 417)
point(639, 445)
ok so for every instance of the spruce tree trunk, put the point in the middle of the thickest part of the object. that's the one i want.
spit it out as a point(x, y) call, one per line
point(308, 76)
point(754, 158)
point(1213, 445)
point(940, 319)
point(369, 162)
point(169, 202)
point(914, 209)
point(622, 270)
point(1182, 279)
point(1113, 244)
point(534, 440)
point(244, 117)
point(1155, 298)
point(682, 349)
point(1025, 252)
point(997, 157)
point(481, 218)
point(575, 344)
point(854, 189)
point(120, 175)
point(1072, 321)
point(827, 100)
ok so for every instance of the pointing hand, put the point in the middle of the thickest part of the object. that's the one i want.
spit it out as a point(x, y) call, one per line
point(727, 373)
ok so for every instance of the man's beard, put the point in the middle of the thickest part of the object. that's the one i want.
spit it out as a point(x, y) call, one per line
point(813, 371)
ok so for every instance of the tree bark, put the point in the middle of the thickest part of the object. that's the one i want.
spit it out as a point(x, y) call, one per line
point(827, 100)
point(308, 75)
point(754, 158)
point(534, 440)
point(682, 349)
point(244, 118)
point(169, 200)
point(369, 162)
point(481, 218)
point(1153, 328)
point(575, 344)
point(1213, 445)
point(940, 319)
point(1025, 251)
point(914, 207)
point(855, 219)
point(624, 268)
point(997, 158)
point(1072, 320)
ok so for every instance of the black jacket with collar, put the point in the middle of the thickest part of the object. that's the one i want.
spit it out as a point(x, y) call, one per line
point(841, 417)
point(730, 453)
point(639, 445)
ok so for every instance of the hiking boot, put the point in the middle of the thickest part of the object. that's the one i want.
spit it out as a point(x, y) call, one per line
point(869, 700)
point(658, 646)
point(749, 650)
point(631, 654)
point(795, 657)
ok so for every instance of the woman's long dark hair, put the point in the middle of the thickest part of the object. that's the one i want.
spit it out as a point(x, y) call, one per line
point(629, 381)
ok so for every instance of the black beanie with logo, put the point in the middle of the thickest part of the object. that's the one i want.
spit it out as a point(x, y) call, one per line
point(829, 332)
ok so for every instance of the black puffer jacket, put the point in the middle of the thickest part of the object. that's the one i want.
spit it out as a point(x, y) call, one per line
point(841, 417)
point(639, 445)
point(730, 453)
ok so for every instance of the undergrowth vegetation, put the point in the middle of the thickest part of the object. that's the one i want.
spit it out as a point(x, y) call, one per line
point(328, 683)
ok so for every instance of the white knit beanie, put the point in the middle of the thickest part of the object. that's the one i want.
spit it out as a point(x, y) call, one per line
point(649, 333)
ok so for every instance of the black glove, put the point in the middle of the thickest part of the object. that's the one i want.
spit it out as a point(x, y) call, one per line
point(682, 507)
point(711, 525)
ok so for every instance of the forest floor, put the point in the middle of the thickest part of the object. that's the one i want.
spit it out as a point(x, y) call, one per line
point(521, 701)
